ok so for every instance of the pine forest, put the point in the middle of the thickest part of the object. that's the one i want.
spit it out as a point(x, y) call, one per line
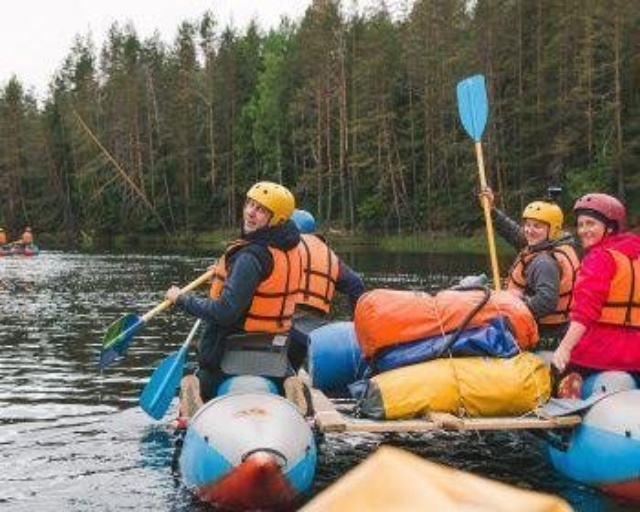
point(356, 114)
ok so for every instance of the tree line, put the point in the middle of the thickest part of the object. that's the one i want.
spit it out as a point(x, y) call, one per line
point(355, 112)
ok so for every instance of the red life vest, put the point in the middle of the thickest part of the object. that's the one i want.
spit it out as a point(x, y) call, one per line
point(320, 267)
point(275, 299)
point(567, 258)
point(622, 306)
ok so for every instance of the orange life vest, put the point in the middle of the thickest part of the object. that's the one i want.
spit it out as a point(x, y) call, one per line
point(320, 268)
point(3, 238)
point(622, 306)
point(275, 299)
point(567, 258)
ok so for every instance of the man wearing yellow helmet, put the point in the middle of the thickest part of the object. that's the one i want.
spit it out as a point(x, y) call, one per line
point(544, 271)
point(256, 281)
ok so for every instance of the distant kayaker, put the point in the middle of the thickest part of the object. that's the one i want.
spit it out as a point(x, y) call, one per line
point(26, 238)
point(3, 237)
point(543, 273)
point(604, 333)
point(256, 283)
point(323, 273)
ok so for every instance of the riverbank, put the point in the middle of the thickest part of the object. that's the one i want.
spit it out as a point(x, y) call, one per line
point(440, 244)
point(215, 241)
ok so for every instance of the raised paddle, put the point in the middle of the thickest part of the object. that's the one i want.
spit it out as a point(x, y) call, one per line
point(161, 388)
point(119, 334)
point(474, 109)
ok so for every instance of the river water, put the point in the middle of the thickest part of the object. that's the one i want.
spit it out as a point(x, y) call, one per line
point(72, 439)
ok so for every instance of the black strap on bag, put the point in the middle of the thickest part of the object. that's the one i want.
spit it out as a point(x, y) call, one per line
point(451, 338)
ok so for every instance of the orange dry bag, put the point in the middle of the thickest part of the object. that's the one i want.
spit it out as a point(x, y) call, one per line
point(389, 317)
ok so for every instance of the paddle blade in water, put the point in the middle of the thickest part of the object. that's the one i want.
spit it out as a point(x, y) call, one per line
point(473, 106)
point(117, 339)
point(161, 388)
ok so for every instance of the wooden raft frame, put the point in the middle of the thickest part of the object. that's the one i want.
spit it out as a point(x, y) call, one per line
point(328, 419)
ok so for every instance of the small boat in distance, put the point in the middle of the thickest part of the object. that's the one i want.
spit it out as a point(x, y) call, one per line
point(19, 250)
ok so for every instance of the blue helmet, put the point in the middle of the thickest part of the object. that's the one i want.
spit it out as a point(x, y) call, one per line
point(304, 221)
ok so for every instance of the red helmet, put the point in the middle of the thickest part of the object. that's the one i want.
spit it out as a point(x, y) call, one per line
point(605, 207)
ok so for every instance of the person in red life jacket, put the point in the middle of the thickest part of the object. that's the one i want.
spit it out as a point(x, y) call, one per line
point(323, 274)
point(256, 281)
point(544, 271)
point(3, 237)
point(604, 333)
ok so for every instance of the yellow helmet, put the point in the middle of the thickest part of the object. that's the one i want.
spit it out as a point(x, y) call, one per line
point(278, 199)
point(550, 213)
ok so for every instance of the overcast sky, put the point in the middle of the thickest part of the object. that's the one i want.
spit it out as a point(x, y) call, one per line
point(37, 35)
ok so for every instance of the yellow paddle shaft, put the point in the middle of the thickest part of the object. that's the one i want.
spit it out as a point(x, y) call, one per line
point(167, 303)
point(487, 219)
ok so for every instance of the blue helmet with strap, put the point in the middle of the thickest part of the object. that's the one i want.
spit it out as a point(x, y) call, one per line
point(304, 221)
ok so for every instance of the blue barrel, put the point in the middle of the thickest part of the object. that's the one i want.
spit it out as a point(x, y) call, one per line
point(335, 358)
point(247, 384)
point(607, 382)
point(604, 450)
point(249, 451)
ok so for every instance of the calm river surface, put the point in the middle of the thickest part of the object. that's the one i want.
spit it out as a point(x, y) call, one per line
point(74, 439)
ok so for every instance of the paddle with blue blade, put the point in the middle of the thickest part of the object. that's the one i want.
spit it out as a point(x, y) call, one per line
point(473, 109)
point(161, 388)
point(119, 334)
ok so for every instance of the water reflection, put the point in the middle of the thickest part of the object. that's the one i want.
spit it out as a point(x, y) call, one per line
point(416, 271)
point(74, 439)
